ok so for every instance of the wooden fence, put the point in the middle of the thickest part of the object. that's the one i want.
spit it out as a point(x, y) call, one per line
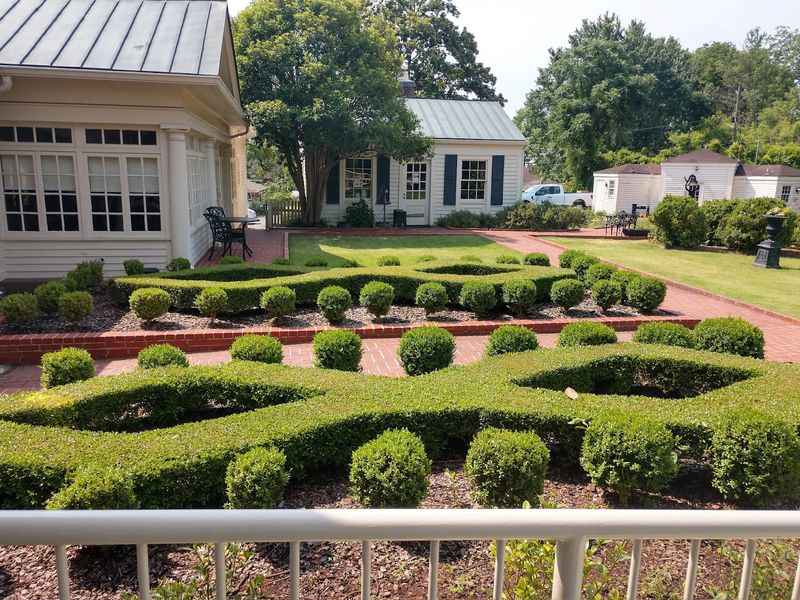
point(284, 214)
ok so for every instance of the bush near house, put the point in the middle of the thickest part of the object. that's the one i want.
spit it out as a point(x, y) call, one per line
point(334, 301)
point(18, 309)
point(679, 223)
point(745, 226)
point(68, 365)
point(86, 276)
point(511, 338)
point(278, 301)
point(180, 264)
point(74, 307)
point(256, 479)
point(211, 302)
point(432, 297)
point(479, 297)
point(48, 294)
point(520, 295)
point(143, 423)
point(133, 266)
point(149, 303)
point(377, 297)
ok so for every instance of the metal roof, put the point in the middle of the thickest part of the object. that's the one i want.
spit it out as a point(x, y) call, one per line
point(631, 169)
point(464, 120)
point(766, 171)
point(150, 36)
point(702, 156)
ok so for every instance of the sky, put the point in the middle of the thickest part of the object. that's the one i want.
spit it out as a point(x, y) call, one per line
point(514, 35)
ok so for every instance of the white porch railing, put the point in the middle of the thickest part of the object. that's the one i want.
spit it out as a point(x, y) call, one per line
point(570, 528)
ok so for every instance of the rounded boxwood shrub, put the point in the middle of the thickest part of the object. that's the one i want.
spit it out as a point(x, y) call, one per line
point(539, 259)
point(426, 349)
point(279, 301)
point(48, 294)
point(211, 301)
point(19, 308)
point(95, 488)
point(599, 272)
point(668, 334)
point(567, 293)
point(339, 349)
point(623, 278)
point(582, 264)
point(645, 294)
point(67, 365)
point(85, 276)
point(179, 264)
point(257, 479)
point(133, 266)
point(627, 452)
point(511, 338)
point(731, 335)
point(231, 260)
point(606, 293)
point(507, 468)
point(755, 459)
point(377, 297)
point(161, 355)
point(334, 301)
point(565, 258)
point(432, 297)
point(390, 471)
point(74, 307)
point(520, 296)
point(316, 262)
point(507, 259)
point(479, 297)
point(257, 348)
point(679, 222)
point(149, 303)
point(388, 261)
point(586, 334)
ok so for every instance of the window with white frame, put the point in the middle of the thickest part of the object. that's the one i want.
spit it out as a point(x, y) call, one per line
point(358, 179)
point(473, 180)
point(105, 193)
point(27, 134)
point(416, 181)
point(786, 192)
point(199, 191)
point(143, 193)
point(125, 137)
point(612, 188)
point(19, 192)
point(223, 179)
point(60, 193)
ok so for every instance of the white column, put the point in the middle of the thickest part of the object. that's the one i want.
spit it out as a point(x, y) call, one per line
point(210, 148)
point(178, 180)
point(239, 175)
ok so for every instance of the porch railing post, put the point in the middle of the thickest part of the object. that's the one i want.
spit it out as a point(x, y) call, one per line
point(568, 571)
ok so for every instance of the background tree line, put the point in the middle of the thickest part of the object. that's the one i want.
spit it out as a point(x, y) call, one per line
point(617, 94)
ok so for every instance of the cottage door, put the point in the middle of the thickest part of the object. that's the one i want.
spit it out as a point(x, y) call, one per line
point(416, 192)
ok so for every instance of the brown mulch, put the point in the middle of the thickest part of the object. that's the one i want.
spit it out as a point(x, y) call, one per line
point(330, 570)
point(107, 316)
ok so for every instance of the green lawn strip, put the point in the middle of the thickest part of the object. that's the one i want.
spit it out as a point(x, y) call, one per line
point(184, 465)
point(365, 250)
point(729, 274)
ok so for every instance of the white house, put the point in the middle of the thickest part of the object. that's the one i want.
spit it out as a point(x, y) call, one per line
point(716, 176)
point(476, 164)
point(120, 122)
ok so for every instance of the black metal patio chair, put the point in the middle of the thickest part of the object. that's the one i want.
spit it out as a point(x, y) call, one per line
point(223, 233)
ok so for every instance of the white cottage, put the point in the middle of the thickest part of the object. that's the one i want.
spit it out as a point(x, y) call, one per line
point(120, 122)
point(716, 175)
point(476, 164)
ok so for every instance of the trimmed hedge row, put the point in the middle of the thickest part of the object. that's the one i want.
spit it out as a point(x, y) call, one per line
point(317, 417)
point(245, 284)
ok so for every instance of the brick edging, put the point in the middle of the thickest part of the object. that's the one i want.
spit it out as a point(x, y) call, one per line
point(691, 288)
point(28, 348)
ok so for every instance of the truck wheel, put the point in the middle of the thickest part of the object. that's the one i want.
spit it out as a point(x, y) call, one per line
point(579, 204)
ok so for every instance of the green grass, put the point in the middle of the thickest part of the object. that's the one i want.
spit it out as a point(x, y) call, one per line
point(408, 248)
point(729, 274)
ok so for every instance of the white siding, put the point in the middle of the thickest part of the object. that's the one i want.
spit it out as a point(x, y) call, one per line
point(2, 261)
point(642, 190)
point(716, 180)
point(755, 187)
point(600, 200)
point(48, 260)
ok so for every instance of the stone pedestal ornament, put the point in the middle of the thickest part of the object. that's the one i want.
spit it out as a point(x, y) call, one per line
point(768, 254)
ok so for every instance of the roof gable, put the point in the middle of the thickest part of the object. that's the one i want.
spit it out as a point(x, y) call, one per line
point(766, 171)
point(702, 156)
point(464, 120)
point(631, 169)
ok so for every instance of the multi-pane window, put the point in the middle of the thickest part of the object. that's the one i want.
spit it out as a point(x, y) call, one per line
point(358, 179)
point(473, 180)
point(60, 197)
point(199, 192)
point(19, 192)
point(786, 191)
point(127, 137)
point(39, 135)
point(143, 193)
point(105, 192)
point(612, 188)
point(416, 181)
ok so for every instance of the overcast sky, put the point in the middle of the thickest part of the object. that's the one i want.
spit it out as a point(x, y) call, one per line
point(514, 35)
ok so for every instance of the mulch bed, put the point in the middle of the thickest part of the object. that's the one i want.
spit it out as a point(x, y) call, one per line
point(330, 570)
point(107, 316)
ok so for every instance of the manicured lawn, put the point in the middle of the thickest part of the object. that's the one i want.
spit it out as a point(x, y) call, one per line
point(408, 248)
point(729, 274)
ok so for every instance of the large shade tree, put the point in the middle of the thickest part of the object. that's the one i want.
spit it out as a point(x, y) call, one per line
point(319, 82)
point(442, 58)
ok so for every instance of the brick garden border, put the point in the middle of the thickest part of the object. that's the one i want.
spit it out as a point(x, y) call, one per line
point(19, 349)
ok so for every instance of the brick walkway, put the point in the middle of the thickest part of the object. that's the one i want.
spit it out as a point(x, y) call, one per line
point(380, 358)
point(266, 246)
point(782, 336)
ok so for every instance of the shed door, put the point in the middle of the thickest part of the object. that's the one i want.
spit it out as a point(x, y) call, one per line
point(416, 196)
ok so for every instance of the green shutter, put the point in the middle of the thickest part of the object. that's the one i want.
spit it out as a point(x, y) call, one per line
point(450, 177)
point(332, 191)
point(498, 175)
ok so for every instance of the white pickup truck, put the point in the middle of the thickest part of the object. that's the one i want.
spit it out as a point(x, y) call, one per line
point(553, 193)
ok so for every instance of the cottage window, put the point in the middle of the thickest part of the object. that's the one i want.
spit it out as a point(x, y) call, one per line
point(125, 137)
point(105, 190)
point(144, 195)
point(786, 192)
point(19, 192)
point(612, 188)
point(416, 181)
point(473, 180)
point(358, 179)
point(39, 135)
point(199, 191)
point(60, 196)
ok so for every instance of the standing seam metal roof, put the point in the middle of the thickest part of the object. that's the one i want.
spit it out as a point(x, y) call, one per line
point(464, 120)
point(149, 36)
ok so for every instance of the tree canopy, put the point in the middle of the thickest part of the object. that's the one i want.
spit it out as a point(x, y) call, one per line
point(319, 83)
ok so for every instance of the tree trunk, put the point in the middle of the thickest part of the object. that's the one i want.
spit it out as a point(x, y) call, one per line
point(317, 167)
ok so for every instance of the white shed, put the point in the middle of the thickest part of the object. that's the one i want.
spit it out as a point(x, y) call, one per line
point(619, 188)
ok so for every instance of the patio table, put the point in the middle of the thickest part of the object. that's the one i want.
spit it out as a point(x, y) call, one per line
point(243, 222)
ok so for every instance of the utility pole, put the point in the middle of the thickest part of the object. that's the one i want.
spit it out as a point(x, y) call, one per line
point(736, 112)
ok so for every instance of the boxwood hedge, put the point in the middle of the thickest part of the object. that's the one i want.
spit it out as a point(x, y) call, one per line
point(146, 424)
point(245, 283)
